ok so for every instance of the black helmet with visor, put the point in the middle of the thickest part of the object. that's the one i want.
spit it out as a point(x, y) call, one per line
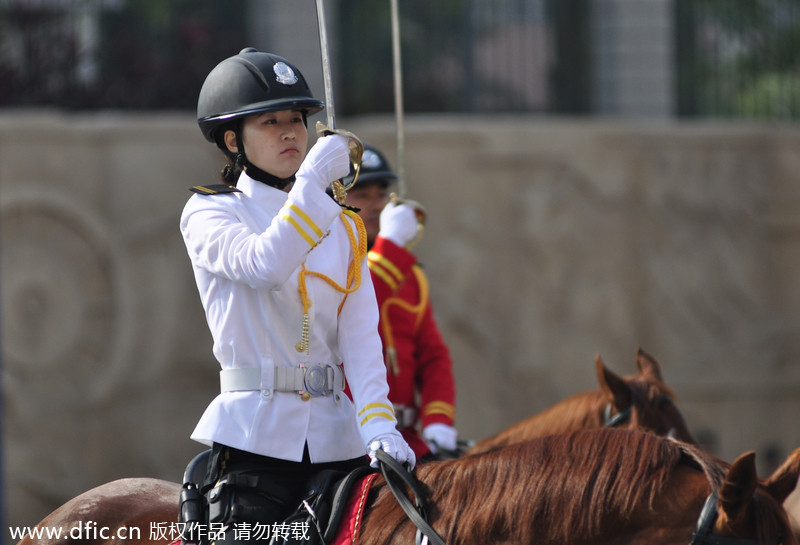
point(251, 82)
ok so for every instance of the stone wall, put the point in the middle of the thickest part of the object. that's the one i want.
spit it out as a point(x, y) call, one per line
point(548, 241)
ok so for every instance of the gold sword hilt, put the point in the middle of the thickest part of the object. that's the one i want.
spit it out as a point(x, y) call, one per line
point(356, 148)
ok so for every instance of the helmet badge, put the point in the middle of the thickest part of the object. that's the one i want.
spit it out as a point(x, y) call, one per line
point(284, 73)
point(370, 159)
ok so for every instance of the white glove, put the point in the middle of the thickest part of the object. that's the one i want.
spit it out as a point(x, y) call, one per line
point(326, 161)
point(440, 436)
point(395, 446)
point(398, 223)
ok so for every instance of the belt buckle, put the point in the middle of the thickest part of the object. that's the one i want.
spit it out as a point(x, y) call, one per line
point(315, 380)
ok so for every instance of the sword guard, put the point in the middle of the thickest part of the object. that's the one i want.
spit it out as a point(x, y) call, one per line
point(356, 153)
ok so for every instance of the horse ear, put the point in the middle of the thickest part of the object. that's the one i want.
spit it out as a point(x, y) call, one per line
point(615, 388)
point(739, 486)
point(784, 480)
point(647, 364)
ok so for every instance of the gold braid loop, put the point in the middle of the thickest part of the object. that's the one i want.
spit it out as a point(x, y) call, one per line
point(353, 282)
point(417, 310)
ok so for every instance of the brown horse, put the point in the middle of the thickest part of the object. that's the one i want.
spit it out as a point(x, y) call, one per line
point(601, 486)
point(642, 401)
point(112, 513)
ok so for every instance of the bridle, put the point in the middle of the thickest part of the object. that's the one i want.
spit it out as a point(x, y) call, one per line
point(705, 524)
point(708, 515)
point(612, 421)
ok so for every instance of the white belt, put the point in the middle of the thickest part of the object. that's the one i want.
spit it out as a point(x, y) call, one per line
point(308, 380)
point(406, 416)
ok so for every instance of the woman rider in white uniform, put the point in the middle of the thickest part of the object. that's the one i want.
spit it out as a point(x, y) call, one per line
point(281, 274)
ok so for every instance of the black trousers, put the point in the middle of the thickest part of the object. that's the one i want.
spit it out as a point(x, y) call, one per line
point(286, 481)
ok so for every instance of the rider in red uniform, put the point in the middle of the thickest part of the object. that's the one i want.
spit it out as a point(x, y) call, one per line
point(419, 368)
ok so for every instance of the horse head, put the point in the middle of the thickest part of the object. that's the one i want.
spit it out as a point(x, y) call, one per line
point(642, 401)
point(747, 511)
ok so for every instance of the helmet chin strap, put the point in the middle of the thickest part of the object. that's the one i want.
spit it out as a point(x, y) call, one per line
point(265, 177)
point(256, 173)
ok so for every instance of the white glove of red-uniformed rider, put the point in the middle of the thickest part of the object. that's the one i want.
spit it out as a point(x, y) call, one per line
point(326, 161)
point(440, 436)
point(398, 223)
point(395, 446)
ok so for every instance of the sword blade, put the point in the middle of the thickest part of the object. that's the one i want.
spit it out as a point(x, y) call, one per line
point(326, 65)
point(398, 99)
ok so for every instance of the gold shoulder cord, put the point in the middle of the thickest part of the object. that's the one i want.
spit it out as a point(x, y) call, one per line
point(418, 310)
point(358, 245)
point(353, 282)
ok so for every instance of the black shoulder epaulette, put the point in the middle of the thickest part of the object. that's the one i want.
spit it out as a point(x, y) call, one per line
point(218, 189)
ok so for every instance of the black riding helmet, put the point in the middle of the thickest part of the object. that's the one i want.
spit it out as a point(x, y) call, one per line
point(249, 83)
point(374, 168)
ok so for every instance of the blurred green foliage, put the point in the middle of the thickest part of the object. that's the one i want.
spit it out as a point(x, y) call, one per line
point(740, 58)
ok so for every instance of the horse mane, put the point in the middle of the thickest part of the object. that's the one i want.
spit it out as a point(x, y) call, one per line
point(564, 487)
point(579, 411)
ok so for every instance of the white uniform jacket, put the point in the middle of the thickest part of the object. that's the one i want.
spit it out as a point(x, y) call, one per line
point(246, 250)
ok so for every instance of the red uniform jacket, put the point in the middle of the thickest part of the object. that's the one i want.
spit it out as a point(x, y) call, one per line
point(419, 369)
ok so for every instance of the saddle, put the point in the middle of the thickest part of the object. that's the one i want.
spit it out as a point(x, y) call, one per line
point(323, 506)
point(320, 509)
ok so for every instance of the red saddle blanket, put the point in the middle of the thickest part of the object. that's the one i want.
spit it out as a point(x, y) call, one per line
point(350, 526)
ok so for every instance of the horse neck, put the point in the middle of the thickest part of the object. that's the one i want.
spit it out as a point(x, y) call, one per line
point(514, 494)
point(674, 513)
point(580, 411)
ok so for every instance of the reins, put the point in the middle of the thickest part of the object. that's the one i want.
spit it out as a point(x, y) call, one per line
point(418, 514)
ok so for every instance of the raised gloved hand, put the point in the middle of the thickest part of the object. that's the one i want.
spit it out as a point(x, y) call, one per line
point(326, 161)
point(440, 436)
point(398, 223)
point(395, 446)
